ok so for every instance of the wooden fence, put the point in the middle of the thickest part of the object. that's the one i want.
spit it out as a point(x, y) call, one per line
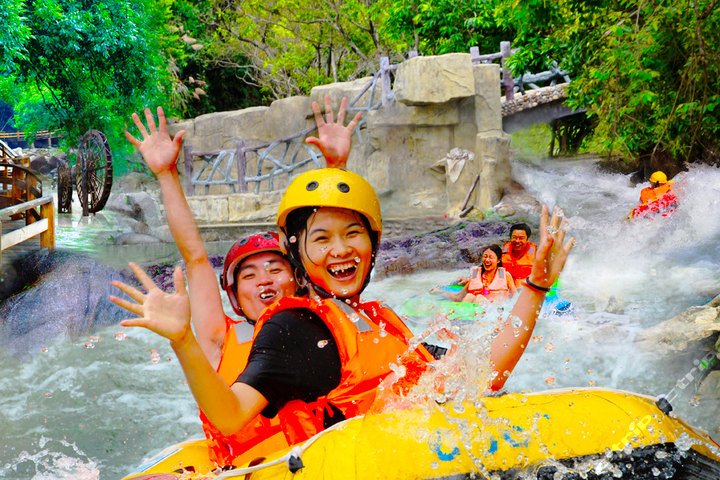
point(21, 198)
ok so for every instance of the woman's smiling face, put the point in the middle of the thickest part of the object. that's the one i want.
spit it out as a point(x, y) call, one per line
point(336, 251)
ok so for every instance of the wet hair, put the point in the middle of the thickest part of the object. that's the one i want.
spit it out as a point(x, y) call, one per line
point(496, 250)
point(296, 225)
point(521, 226)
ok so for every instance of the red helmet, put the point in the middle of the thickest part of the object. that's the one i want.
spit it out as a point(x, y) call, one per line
point(242, 249)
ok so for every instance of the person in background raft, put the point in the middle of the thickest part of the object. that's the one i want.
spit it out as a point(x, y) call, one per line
point(489, 282)
point(256, 273)
point(518, 254)
point(340, 349)
point(657, 198)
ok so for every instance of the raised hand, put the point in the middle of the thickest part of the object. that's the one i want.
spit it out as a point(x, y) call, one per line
point(157, 148)
point(551, 253)
point(334, 138)
point(167, 314)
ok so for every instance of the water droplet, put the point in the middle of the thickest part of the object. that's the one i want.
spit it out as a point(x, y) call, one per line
point(354, 317)
point(292, 239)
point(43, 349)
point(357, 259)
point(89, 345)
point(382, 333)
point(266, 265)
point(261, 288)
point(322, 343)
point(434, 465)
point(549, 347)
point(120, 336)
point(376, 340)
point(589, 371)
point(344, 291)
point(694, 401)
point(655, 471)
point(550, 380)
point(154, 356)
point(684, 442)
point(48, 395)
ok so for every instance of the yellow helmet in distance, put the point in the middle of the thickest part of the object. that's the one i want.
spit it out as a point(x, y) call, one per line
point(658, 177)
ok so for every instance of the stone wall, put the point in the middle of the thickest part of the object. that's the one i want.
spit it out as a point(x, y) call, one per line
point(441, 103)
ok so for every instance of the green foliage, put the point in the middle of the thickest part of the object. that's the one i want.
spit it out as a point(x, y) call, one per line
point(289, 46)
point(649, 71)
point(437, 27)
point(646, 70)
point(13, 34)
point(87, 64)
point(205, 82)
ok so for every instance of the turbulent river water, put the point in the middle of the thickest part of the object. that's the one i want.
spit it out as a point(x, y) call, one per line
point(94, 407)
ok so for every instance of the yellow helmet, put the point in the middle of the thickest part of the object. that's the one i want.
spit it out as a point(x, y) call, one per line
point(658, 177)
point(331, 187)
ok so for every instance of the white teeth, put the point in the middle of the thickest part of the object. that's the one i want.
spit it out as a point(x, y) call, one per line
point(267, 295)
point(334, 269)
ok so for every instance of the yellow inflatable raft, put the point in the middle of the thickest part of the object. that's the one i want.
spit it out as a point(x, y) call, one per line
point(568, 434)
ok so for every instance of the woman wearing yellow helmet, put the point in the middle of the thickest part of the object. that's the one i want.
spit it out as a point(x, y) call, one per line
point(319, 359)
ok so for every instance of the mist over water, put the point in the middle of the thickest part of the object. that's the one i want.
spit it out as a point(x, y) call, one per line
point(93, 408)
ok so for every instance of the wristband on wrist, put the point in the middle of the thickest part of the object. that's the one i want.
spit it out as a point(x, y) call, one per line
point(536, 287)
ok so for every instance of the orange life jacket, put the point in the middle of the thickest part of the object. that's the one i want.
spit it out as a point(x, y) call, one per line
point(650, 194)
point(519, 268)
point(262, 435)
point(499, 288)
point(369, 338)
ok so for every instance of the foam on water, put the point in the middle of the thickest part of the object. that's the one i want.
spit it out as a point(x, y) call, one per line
point(71, 411)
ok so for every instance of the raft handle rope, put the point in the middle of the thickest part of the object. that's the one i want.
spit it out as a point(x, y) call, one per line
point(293, 458)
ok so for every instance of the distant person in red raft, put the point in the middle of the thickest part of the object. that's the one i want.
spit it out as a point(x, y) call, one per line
point(657, 198)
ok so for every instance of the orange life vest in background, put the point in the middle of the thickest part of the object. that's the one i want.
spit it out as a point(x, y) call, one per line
point(262, 435)
point(649, 194)
point(660, 200)
point(369, 338)
point(520, 268)
point(498, 289)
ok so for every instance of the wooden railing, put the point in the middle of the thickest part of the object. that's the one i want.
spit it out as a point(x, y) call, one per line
point(44, 226)
point(20, 197)
point(21, 135)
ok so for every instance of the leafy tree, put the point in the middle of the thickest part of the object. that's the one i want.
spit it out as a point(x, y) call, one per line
point(87, 64)
point(13, 34)
point(649, 71)
point(646, 70)
point(289, 46)
point(205, 83)
point(444, 26)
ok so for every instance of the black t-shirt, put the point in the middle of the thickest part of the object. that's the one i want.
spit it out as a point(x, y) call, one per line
point(293, 357)
point(296, 357)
